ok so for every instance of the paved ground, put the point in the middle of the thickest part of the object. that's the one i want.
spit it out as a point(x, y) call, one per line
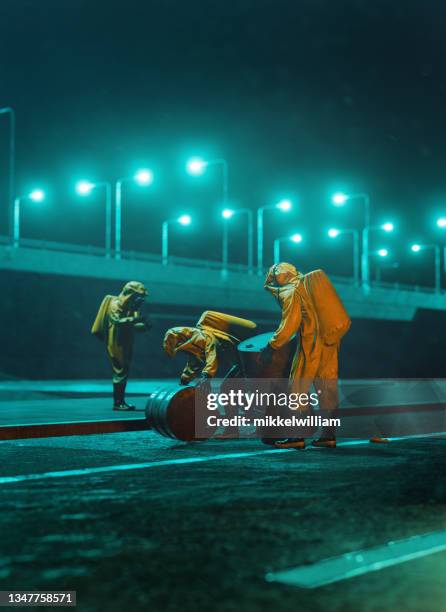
point(31, 409)
point(169, 526)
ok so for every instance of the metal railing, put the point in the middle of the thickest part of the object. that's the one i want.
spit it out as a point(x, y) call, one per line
point(207, 264)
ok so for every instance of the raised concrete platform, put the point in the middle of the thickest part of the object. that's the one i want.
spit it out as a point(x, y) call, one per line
point(39, 409)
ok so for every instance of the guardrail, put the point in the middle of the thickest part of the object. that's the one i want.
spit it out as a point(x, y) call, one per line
point(208, 264)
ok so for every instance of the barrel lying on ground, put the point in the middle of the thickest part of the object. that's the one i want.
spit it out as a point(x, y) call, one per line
point(171, 412)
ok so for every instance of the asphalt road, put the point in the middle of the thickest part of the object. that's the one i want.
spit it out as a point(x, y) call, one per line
point(133, 521)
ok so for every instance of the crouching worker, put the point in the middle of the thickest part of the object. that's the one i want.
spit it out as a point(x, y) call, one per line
point(214, 338)
point(116, 322)
point(313, 311)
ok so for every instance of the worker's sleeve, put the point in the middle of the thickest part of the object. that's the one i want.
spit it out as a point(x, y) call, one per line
point(291, 319)
point(115, 315)
point(191, 370)
point(211, 357)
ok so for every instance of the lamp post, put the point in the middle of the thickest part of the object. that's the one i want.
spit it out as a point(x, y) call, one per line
point(37, 195)
point(143, 177)
point(227, 214)
point(84, 188)
point(284, 206)
point(7, 110)
point(386, 227)
point(416, 248)
point(339, 199)
point(334, 233)
point(296, 238)
point(182, 220)
point(441, 222)
point(197, 166)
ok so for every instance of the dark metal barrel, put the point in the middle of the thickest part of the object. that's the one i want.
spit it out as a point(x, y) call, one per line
point(280, 366)
point(171, 412)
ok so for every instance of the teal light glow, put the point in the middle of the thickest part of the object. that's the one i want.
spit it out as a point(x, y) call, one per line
point(84, 188)
point(339, 199)
point(37, 195)
point(284, 205)
point(185, 220)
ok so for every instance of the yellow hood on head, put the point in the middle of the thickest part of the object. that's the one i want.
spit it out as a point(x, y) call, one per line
point(280, 275)
point(177, 339)
point(131, 289)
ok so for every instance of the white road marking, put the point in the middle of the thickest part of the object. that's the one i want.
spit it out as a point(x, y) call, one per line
point(183, 461)
point(135, 466)
point(360, 562)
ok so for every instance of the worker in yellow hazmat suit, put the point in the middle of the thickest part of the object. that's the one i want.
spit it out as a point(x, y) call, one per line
point(116, 322)
point(312, 310)
point(215, 334)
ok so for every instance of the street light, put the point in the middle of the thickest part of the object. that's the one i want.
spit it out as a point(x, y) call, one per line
point(84, 189)
point(37, 195)
point(296, 238)
point(227, 214)
point(417, 248)
point(385, 227)
point(182, 220)
point(283, 206)
point(7, 110)
point(197, 166)
point(334, 233)
point(339, 199)
point(143, 177)
point(441, 222)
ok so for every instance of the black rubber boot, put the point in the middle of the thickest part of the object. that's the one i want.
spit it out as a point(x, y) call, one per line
point(297, 443)
point(328, 436)
point(119, 402)
point(324, 442)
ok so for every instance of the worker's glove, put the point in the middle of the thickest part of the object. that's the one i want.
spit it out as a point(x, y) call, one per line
point(184, 381)
point(266, 355)
point(142, 323)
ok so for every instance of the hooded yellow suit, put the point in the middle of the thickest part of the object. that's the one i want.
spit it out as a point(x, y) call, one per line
point(214, 333)
point(115, 324)
point(311, 309)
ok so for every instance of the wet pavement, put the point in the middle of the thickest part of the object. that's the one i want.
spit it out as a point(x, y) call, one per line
point(136, 521)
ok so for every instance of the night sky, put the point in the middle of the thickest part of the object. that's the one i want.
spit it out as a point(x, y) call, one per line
point(302, 97)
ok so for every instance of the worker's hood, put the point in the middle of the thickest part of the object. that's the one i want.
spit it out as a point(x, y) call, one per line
point(179, 339)
point(132, 293)
point(280, 275)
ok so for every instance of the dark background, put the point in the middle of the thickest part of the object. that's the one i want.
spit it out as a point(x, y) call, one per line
point(301, 97)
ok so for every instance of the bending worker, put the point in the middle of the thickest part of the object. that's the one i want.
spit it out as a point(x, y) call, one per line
point(216, 335)
point(116, 322)
point(313, 311)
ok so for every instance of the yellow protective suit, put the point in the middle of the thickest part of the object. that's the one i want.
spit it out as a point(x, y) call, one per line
point(117, 320)
point(214, 334)
point(316, 358)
